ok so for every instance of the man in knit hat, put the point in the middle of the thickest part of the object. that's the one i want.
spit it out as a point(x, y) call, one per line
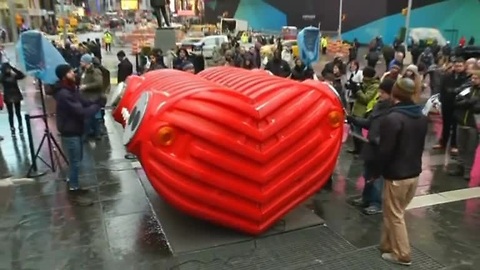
point(467, 108)
point(72, 110)
point(91, 88)
point(401, 144)
point(371, 198)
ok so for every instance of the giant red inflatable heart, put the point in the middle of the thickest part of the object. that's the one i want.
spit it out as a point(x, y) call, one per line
point(239, 158)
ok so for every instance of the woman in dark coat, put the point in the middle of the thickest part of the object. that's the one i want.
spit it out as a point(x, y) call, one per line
point(12, 96)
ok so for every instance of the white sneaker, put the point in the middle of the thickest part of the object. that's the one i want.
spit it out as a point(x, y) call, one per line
point(391, 258)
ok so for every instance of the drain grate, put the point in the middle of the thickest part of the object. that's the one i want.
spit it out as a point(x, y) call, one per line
point(369, 258)
point(292, 250)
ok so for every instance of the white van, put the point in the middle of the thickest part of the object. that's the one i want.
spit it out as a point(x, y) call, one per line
point(208, 44)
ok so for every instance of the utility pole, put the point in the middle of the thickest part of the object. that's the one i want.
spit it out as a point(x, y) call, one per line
point(407, 22)
point(65, 19)
point(340, 19)
point(13, 23)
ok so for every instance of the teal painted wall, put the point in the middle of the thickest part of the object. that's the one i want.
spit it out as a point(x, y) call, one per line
point(462, 15)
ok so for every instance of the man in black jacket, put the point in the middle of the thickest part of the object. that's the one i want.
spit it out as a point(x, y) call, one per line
point(72, 110)
point(402, 139)
point(467, 105)
point(451, 82)
point(125, 67)
point(371, 197)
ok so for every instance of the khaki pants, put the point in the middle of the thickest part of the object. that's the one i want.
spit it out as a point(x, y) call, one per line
point(396, 197)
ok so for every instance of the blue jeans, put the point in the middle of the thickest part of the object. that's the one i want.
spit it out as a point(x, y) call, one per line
point(92, 125)
point(73, 147)
point(372, 191)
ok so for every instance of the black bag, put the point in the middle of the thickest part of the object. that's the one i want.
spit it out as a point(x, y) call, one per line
point(106, 78)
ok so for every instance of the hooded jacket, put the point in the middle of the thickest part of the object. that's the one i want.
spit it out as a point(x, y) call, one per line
point(370, 150)
point(72, 109)
point(467, 104)
point(401, 143)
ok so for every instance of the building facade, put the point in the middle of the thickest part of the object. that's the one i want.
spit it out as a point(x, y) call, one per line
point(360, 19)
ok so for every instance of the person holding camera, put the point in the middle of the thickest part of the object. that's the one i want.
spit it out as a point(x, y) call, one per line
point(366, 96)
point(354, 79)
point(12, 97)
point(466, 106)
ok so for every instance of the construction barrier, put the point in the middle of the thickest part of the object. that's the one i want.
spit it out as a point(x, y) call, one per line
point(338, 47)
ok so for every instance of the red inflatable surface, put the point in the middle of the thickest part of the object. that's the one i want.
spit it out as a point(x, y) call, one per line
point(241, 155)
point(129, 92)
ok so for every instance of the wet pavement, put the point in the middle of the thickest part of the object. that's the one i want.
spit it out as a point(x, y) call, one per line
point(42, 228)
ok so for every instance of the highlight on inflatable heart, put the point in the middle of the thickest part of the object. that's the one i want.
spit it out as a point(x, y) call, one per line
point(124, 96)
point(241, 152)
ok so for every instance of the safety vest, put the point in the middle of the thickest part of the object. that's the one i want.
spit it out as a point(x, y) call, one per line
point(107, 38)
point(372, 102)
point(324, 42)
point(244, 38)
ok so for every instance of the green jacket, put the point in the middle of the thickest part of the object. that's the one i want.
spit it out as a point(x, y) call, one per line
point(365, 95)
point(93, 80)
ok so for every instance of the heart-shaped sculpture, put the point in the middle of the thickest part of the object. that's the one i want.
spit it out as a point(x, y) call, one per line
point(124, 96)
point(239, 158)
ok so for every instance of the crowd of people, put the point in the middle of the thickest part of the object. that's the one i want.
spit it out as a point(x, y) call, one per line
point(387, 104)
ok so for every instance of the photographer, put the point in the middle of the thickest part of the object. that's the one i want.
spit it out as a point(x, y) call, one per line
point(354, 79)
point(466, 105)
point(365, 98)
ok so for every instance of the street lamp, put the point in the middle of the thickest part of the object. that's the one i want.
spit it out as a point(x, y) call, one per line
point(340, 19)
point(13, 23)
point(407, 23)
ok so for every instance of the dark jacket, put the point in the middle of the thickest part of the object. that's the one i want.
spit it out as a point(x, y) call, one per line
point(278, 67)
point(9, 82)
point(125, 69)
point(72, 109)
point(370, 150)
point(467, 103)
point(436, 78)
point(451, 83)
point(301, 73)
point(402, 139)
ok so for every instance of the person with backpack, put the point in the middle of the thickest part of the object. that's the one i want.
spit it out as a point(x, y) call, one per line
point(91, 89)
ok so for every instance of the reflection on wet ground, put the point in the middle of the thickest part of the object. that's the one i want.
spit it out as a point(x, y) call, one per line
point(43, 229)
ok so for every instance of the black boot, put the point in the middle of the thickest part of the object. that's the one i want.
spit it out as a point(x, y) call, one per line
point(457, 170)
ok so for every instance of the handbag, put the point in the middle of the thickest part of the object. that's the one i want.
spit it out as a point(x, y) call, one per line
point(1, 101)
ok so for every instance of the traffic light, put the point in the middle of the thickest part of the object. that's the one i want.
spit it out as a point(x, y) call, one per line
point(405, 11)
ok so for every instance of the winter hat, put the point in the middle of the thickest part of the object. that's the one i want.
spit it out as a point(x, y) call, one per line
point(62, 70)
point(387, 85)
point(413, 69)
point(86, 58)
point(369, 72)
point(403, 89)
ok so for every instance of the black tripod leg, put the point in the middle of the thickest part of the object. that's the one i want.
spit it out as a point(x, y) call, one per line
point(59, 148)
point(50, 150)
point(36, 154)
